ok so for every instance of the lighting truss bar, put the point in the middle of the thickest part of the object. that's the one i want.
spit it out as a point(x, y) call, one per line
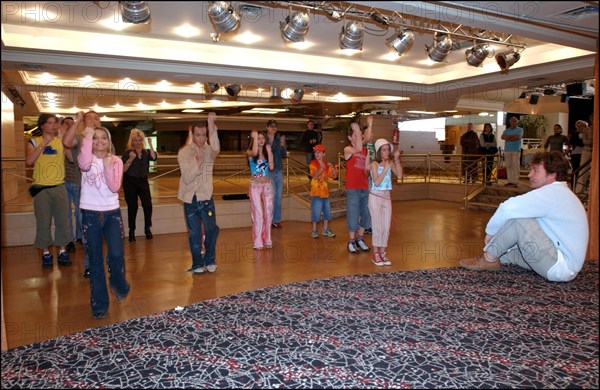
point(394, 19)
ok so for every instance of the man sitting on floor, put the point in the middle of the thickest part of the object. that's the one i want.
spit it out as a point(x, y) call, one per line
point(545, 230)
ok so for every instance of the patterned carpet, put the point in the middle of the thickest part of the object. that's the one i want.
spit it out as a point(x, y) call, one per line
point(443, 328)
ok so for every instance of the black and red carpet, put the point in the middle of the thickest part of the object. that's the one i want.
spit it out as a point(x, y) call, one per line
point(443, 328)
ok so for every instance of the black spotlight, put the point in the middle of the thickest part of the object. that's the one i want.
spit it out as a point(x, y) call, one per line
point(549, 91)
point(564, 98)
point(533, 99)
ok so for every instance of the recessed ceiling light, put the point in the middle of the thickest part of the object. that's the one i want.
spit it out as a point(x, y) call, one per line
point(192, 110)
point(484, 113)
point(247, 38)
point(187, 31)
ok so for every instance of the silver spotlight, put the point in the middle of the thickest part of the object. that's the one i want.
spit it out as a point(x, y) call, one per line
point(297, 95)
point(223, 16)
point(275, 93)
point(137, 12)
point(351, 36)
point(401, 42)
point(506, 60)
point(477, 54)
point(233, 89)
point(442, 44)
point(211, 87)
point(295, 27)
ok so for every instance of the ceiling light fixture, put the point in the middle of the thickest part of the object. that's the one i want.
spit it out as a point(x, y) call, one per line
point(352, 36)
point(137, 12)
point(477, 54)
point(506, 60)
point(211, 87)
point(223, 16)
point(295, 27)
point(233, 89)
point(401, 42)
point(439, 50)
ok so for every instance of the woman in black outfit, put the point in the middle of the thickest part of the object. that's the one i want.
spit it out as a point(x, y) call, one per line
point(136, 161)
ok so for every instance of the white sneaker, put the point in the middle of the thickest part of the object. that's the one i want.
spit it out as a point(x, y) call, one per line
point(352, 247)
point(363, 247)
point(199, 270)
point(377, 260)
point(211, 268)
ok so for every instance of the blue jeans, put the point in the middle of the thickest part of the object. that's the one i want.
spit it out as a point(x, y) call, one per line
point(277, 183)
point(96, 226)
point(200, 213)
point(316, 206)
point(74, 193)
point(357, 210)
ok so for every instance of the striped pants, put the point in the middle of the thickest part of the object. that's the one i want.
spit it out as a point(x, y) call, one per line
point(380, 208)
point(261, 207)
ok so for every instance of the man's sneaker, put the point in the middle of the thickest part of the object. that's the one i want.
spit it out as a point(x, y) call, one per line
point(63, 258)
point(46, 260)
point(352, 247)
point(197, 270)
point(361, 244)
point(211, 267)
point(314, 234)
point(385, 259)
point(71, 247)
point(369, 231)
point(99, 315)
point(377, 260)
point(328, 233)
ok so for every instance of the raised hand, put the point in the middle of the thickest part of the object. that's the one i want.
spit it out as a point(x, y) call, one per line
point(88, 132)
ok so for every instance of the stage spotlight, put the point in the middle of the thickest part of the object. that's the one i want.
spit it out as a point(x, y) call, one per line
point(297, 95)
point(295, 27)
point(351, 36)
point(440, 48)
point(564, 98)
point(275, 93)
point(223, 16)
point(506, 60)
point(233, 89)
point(401, 42)
point(533, 99)
point(477, 54)
point(523, 95)
point(211, 87)
point(137, 12)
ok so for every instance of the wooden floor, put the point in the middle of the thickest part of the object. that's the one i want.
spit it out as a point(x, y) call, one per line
point(40, 304)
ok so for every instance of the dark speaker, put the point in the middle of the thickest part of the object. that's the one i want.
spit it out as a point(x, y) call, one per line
point(575, 89)
point(533, 99)
point(564, 98)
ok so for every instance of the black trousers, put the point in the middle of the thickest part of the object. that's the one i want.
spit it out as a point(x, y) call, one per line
point(135, 187)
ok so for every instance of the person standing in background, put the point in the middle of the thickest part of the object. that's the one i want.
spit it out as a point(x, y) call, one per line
point(321, 172)
point(512, 151)
point(279, 150)
point(557, 142)
point(135, 180)
point(310, 138)
point(73, 187)
point(489, 148)
point(470, 145)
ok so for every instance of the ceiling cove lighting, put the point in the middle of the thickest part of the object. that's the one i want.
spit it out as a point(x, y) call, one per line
point(223, 16)
point(295, 27)
point(477, 54)
point(439, 50)
point(506, 60)
point(352, 36)
point(137, 12)
point(401, 42)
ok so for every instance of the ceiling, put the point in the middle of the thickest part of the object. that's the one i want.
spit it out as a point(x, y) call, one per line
point(69, 56)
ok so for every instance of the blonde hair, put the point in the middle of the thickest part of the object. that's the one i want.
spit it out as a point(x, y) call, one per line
point(111, 148)
point(135, 133)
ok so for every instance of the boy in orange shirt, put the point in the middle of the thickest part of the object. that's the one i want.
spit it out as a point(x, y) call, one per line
point(321, 172)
